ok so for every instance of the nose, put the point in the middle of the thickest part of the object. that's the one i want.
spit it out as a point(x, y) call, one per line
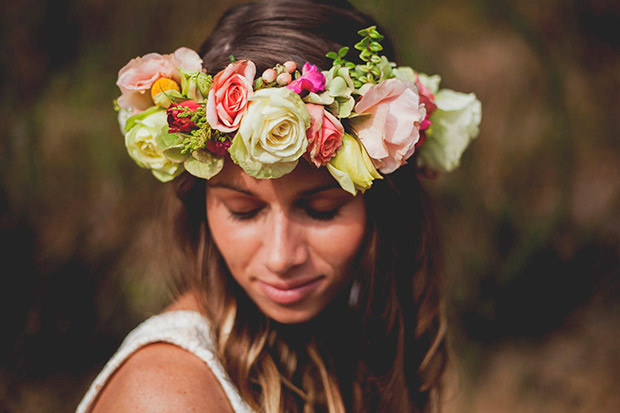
point(285, 244)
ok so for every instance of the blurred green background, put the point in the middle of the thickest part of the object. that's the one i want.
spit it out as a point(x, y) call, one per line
point(530, 223)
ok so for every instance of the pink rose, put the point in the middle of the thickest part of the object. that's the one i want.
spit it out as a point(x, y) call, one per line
point(392, 128)
point(136, 77)
point(311, 80)
point(324, 135)
point(229, 95)
point(186, 59)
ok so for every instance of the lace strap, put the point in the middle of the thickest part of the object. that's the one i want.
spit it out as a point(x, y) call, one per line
point(186, 329)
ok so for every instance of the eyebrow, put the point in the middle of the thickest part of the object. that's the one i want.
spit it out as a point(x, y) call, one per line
point(303, 194)
point(231, 187)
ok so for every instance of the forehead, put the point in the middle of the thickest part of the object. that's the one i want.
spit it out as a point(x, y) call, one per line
point(303, 179)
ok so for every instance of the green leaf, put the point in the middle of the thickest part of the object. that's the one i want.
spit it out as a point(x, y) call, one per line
point(133, 119)
point(375, 59)
point(168, 97)
point(205, 170)
point(232, 58)
point(204, 82)
point(343, 52)
point(367, 31)
point(332, 55)
point(175, 153)
point(165, 139)
point(259, 84)
point(165, 176)
point(202, 155)
point(374, 34)
point(375, 46)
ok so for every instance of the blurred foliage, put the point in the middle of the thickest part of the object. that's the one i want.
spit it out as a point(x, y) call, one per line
point(529, 224)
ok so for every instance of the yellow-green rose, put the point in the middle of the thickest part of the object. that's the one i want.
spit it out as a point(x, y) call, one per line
point(146, 141)
point(272, 134)
point(352, 167)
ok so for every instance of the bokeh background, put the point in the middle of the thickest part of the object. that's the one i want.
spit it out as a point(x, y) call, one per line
point(530, 223)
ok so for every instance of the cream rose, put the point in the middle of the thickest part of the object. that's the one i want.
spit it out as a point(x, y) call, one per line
point(146, 141)
point(272, 134)
point(390, 130)
point(454, 124)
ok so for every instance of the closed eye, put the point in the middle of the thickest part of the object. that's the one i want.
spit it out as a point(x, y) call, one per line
point(244, 215)
point(322, 215)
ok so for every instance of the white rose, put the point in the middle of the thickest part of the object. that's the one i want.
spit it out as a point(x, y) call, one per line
point(455, 123)
point(146, 141)
point(272, 134)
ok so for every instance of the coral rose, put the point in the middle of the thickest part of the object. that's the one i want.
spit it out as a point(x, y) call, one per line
point(324, 135)
point(391, 129)
point(228, 98)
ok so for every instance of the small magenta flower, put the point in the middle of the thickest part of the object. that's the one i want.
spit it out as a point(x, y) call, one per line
point(311, 80)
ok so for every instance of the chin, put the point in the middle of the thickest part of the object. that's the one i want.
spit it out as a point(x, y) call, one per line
point(291, 316)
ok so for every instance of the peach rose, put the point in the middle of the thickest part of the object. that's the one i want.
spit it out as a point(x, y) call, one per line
point(391, 130)
point(229, 94)
point(136, 77)
point(324, 135)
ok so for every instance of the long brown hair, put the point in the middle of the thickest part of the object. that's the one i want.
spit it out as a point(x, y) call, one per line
point(380, 345)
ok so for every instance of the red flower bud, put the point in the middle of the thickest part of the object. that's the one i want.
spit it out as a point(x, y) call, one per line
point(180, 116)
point(218, 147)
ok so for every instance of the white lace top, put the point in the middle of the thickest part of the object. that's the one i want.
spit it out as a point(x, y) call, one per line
point(186, 329)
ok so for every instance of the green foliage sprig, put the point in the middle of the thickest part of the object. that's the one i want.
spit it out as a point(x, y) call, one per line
point(374, 67)
point(197, 138)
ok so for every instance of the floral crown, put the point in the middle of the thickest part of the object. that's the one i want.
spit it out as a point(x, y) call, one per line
point(357, 120)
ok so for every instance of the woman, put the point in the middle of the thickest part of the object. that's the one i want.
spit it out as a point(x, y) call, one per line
point(306, 292)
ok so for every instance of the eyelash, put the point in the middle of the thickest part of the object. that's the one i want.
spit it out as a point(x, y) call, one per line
point(244, 216)
point(318, 215)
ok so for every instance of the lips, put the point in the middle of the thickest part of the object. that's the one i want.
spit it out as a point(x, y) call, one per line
point(289, 292)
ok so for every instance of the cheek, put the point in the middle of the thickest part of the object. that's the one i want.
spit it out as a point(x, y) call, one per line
point(231, 239)
point(339, 244)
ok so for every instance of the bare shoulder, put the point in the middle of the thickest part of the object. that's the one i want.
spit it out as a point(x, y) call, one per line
point(162, 377)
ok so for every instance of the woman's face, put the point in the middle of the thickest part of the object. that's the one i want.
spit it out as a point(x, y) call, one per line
point(288, 242)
